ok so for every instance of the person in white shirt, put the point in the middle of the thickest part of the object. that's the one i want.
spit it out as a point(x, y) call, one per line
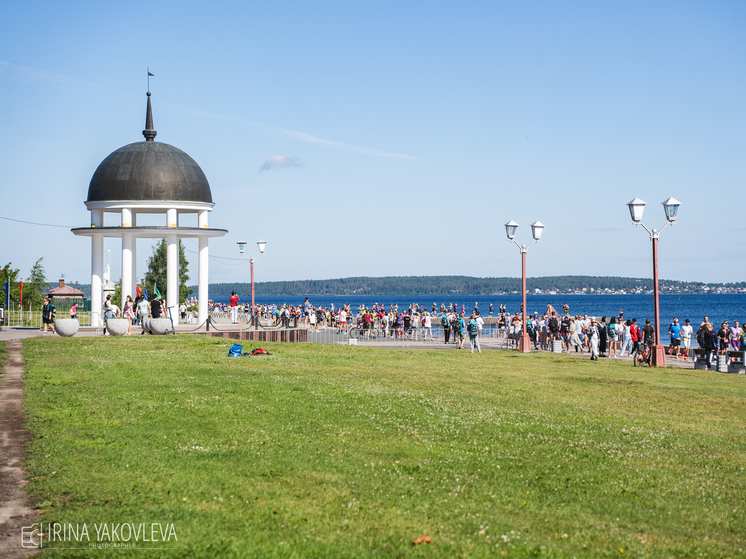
point(427, 324)
point(686, 335)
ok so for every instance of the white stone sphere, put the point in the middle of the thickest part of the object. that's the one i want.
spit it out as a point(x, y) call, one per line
point(66, 326)
point(117, 326)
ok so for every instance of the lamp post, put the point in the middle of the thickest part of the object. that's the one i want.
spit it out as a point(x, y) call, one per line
point(241, 247)
point(537, 228)
point(671, 209)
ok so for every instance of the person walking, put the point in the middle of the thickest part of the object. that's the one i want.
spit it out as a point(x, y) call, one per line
point(686, 338)
point(474, 334)
point(48, 312)
point(675, 331)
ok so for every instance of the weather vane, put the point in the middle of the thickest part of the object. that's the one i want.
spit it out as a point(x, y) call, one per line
point(149, 75)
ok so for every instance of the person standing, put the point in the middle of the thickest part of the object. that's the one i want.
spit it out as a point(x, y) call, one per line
point(648, 333)
point(592, 334)
point(459, 327)
point(427, 327)
point(129, 313)
point(735, 336)
point(636, 334)
point(710, 339)
point(612, 337)
point(143, 310)
point(48, 312)
point(445, 320)
point(74, 311)
point(626, 339)
point(155, 307)
point(474, 334)
point(234, 299)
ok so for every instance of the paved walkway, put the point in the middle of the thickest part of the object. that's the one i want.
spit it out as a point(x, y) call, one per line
point(323, 336)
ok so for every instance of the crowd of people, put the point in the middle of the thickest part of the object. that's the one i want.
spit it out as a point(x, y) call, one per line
point(613, 337)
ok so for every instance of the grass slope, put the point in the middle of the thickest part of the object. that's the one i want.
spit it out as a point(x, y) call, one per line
point(335, 451)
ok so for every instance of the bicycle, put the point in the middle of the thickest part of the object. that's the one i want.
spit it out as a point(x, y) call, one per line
point(370, 333)
point(645, 356)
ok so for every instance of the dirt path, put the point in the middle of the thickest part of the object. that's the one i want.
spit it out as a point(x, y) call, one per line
point(15, 506)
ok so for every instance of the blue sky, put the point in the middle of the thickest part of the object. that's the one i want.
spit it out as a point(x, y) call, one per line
point(390, 138)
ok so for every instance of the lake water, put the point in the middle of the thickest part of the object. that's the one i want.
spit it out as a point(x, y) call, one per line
point(694, 307)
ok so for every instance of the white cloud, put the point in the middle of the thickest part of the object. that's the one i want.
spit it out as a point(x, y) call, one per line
point(275, 162)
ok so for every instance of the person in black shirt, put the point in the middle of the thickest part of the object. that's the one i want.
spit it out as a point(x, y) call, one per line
point(155, 308)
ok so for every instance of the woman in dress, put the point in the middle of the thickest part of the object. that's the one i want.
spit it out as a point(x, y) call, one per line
point(129, 313)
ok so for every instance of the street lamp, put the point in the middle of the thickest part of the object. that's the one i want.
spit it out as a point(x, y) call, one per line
point(537, 228)
point(241, 248)
point(671, 210)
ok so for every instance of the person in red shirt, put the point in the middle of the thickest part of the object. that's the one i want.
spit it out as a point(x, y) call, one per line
point(367, 319)
point(634, 331)
point(234, 307)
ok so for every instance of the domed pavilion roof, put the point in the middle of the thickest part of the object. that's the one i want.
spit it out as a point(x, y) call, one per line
point(149, 171)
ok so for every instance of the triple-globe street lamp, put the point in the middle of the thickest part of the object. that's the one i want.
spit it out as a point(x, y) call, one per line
point(241, 248)
point(537, 228)
point(671, 209)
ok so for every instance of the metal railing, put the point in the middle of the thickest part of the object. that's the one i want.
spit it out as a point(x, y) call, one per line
point(33, 319)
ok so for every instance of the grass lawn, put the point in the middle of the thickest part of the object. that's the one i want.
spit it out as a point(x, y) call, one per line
point(336, 451)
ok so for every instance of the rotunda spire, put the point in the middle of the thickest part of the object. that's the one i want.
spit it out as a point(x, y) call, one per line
point(149, 131)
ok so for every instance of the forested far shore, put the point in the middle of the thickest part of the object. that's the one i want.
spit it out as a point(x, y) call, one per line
point(457, 285)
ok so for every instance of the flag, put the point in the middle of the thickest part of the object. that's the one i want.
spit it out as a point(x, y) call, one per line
point(6, 287)
point(150, 75)
point(144, 293)
point(138, 291)
point(155, 290)
point(20, 285)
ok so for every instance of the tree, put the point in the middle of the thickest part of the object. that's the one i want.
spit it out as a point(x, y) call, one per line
point(8, 273)
point(116, 297)
point(35, 286)
point(157, 274)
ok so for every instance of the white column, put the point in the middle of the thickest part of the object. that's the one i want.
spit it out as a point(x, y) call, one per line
point(126, 217)
point(134, 255)
point(204, 259)
point(172, 218)
point(97, 275)
point(202, 219)
point(97, 269)
point(97, 218)
point(127, 281)
point(172, 275)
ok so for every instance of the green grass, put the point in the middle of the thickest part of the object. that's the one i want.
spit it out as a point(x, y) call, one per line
point(336, 451)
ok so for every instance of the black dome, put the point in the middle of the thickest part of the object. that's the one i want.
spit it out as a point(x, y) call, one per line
point(149, 171)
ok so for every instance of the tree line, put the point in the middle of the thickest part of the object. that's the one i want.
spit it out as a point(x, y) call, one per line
point(446, 285)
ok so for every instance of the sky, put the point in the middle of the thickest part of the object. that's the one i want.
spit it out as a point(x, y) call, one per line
point(389, 138)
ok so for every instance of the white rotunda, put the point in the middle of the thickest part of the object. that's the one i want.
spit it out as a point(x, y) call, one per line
point(148, 178)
